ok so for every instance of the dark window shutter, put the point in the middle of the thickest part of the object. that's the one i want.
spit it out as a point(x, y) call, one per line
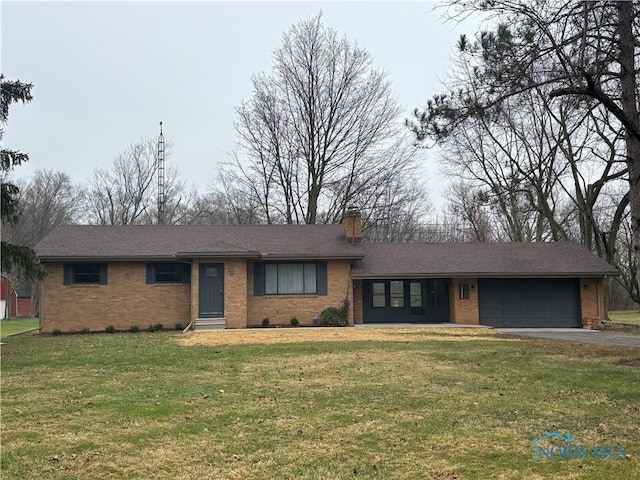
point(322, 278)
point(186, 273)
point(68, 274)
point(150, 272)
point(258, 279)
point(103, 274)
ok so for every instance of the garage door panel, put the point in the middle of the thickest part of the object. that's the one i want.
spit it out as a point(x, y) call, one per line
point(529, 303)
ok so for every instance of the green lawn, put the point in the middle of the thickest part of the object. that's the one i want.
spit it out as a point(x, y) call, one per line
point(17, 325)
point(625, 316)
point(394, 404)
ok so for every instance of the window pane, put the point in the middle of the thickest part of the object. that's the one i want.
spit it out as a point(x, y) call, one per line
point(86, 273)
point(167, 272)
point(379, 297)
point(290, 278)
point(397, 294)
point(397, 287)
point(416, 294)
point(271, 278)
point(310, 278)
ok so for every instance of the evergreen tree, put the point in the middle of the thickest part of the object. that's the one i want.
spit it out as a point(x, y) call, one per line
point(15, 257)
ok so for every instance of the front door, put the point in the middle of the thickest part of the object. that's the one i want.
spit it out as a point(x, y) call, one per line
point(211, 292)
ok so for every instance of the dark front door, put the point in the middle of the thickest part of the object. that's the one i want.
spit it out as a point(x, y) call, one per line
point(211, 292)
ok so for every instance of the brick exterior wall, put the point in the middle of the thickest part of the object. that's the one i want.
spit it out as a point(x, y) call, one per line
point(464, 311)
point(279, 309)
point(235, 289)
point(126, 300)
point(592, 301)
point(358, 303)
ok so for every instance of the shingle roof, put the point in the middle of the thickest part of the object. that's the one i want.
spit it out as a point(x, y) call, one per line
point(565, 258)
point(130, 242)
point(139, 242)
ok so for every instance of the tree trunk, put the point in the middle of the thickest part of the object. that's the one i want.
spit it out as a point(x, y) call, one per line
point(630, 109)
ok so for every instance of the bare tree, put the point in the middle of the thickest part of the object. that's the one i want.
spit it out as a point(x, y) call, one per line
point(46, 200)
point(123, 193)
point(583, 53)
point(321, 131)
point(126, 192)
point(228, 204)
point(179, 199)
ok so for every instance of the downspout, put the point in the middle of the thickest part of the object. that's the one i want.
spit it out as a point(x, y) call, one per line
point(351, 285)
point(600, 317)
point(41, 305)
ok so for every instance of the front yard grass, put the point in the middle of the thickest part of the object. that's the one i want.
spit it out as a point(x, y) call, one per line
point(631, 317)
point(17, 325)
point(288, 404)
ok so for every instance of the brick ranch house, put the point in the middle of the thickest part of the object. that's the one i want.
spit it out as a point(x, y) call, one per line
point(238, 275)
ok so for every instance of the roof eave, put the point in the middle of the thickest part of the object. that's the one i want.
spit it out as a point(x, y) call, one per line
point(105, 258)
point(218, 254)
point(384, 276)
point(309, 256)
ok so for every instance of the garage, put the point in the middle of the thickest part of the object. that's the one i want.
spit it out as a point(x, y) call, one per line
point(529, 302)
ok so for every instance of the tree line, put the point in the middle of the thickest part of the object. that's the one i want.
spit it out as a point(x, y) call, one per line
point(537, 130)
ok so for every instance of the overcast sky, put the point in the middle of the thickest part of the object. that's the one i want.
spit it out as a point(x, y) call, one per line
point(106, 74)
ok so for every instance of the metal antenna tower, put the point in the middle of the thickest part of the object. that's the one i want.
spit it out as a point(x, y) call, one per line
point(160, 160)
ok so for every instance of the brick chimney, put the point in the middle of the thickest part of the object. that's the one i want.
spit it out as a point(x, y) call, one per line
point(352, 225)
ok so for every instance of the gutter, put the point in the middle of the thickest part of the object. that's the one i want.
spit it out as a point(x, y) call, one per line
point(388, 276)
point(107, 258)
point(181, 256)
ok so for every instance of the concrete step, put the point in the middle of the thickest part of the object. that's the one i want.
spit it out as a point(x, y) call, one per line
point(208, 324)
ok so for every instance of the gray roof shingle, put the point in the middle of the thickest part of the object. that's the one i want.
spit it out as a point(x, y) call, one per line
point(565, 258)
point(143, 242)
point(131, 242)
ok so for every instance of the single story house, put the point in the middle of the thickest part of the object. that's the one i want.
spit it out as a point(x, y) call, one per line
point(238, 275)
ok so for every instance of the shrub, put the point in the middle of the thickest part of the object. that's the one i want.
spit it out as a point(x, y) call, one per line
point(110, 329)
point(294, 321)
point(334, 316)
point(156, 327)
point(134, 329)
point(179, 326)
point(56, 332)
point(85, 330)
point(265, 322)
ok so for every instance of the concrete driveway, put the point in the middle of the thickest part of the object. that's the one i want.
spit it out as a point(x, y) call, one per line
point(576, 335)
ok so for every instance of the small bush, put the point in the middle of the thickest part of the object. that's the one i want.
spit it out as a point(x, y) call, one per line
point(156, 327)
point(56, 332)
point(85, 330)
point(294, 321)
point(333, 316)
point(179, 326)
point(110, 329)
point(265, 322)
point(134, 329)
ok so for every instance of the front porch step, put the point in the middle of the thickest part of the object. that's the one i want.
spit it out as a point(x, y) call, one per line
point(208, 324)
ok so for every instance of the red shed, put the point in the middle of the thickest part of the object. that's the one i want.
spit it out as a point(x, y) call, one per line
point(15, 303)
